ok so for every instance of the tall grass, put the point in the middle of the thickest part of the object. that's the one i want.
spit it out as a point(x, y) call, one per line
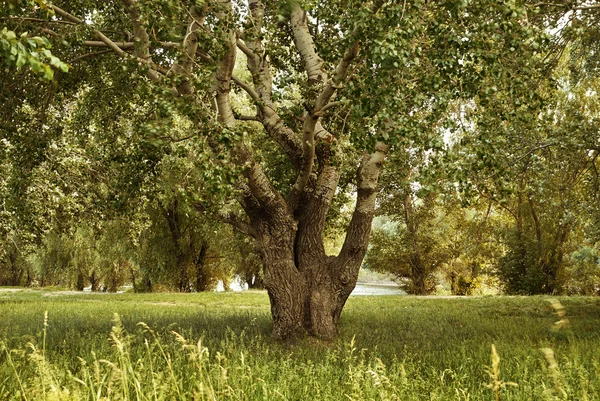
point(216, 347)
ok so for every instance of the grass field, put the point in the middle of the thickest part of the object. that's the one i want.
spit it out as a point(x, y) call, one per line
point(216, 346)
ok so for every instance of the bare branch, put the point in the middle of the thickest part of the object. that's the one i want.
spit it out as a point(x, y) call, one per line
point(592, 7)
point(90, 55)
point(245, 49)
point(67, 16)
point(110, 43)
point(127, 45)
point(313, 64)
point(49, 32)
point(247, 88)
point(248, 118)
point(359, 229)
point(45, 21)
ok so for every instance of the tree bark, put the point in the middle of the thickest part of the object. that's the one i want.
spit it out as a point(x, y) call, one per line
point(80, 283)
point(94, 281)
point(201, 277)
point(307, 288)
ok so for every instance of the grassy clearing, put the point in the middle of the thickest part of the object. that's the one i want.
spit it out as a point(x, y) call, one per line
point(389, 348)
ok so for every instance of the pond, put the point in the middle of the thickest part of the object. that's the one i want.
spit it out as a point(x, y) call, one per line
point(377, 289)
point(360, 289)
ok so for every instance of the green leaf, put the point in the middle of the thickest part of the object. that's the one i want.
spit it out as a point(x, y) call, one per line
point(21, 60)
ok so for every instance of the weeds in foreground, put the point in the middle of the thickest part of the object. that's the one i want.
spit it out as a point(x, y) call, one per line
point(496, 384)
point(144, 364)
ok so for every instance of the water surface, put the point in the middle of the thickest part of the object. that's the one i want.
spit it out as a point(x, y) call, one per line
point(377, 289)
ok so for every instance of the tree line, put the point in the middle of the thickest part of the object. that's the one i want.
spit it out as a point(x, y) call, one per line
point(175, 143)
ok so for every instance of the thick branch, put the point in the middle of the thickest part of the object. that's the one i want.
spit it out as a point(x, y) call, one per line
point(341, 71)
point(247, 88)
point(238, 224)
point(313, 64)
point(359, 230)
point(223, 74)
point(311, 220)
point(257, 63)
point(260, 69)
point(245, 49)
point(339, 75)
point(141, 38)
point(258, 183)
point(67, 16)
point(308, 161)
point(190, 48)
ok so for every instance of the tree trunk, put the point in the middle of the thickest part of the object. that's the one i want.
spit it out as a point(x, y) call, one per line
point(29, 278)
point(174, 223)
point(133, 281)
point(307, 288)
point(94, 281)
point(80, 283)
point(308, 298)
point(418, 268)
point(16, 273)
point(201, 276)
point(418, 275)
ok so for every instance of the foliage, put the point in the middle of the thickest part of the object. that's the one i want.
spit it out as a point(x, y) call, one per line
point(33, 51)
point(583, 274)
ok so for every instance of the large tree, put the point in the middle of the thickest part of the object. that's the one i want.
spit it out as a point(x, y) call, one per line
point(333, 85)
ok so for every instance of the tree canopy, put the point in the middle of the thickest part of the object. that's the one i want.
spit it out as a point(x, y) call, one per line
point(158, 121)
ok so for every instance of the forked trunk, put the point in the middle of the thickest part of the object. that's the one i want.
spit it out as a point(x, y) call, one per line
point(307, 288)
point(307, 300)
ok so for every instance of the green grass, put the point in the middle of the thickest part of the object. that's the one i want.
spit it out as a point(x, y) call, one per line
point(389, 348)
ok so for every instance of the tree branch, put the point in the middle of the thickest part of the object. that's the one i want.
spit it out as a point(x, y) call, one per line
point(141, 38)
point(248, 118)
point(303, 40)
point(127, 45)
point(190, 49)
point(245, 49)
point(260, 69)
point(328, 106)
point(153, 74)
point(308, 161)
point(359, 229)
point(223, 74)
point(247, 88)
point(237, 223)
point(90, 55)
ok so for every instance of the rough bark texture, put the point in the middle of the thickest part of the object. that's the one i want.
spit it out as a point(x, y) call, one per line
point(307, 288)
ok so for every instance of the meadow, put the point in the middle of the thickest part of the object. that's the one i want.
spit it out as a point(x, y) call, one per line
point(216, 346)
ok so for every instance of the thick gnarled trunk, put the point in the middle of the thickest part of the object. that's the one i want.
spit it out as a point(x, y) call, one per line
point(305, 299)
point(308, 288)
